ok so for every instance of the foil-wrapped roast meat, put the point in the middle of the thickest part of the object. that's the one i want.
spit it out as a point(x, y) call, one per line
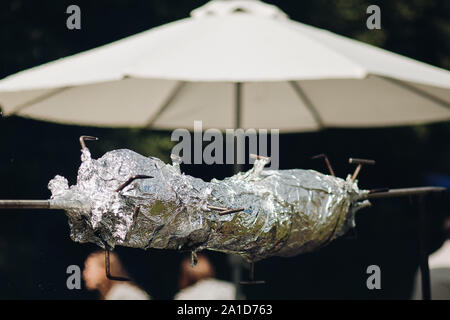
point(279, 212)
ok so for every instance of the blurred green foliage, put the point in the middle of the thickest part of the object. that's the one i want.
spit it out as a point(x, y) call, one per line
point(145, 142)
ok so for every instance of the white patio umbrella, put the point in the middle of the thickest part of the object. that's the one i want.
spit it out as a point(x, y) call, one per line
point(232, 64)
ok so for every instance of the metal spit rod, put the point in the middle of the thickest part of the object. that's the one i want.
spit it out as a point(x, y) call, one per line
point(25, 204)
point(403, 192)
point(50, 205)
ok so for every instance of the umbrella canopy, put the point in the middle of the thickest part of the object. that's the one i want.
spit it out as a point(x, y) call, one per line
point(232, 64)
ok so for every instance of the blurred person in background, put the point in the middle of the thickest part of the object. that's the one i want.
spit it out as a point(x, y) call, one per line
point(198, 282)
point(439, 263)
point(94, 276)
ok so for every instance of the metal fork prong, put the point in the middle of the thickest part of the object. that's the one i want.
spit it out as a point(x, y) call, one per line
point(84, 138)
point(130, 180)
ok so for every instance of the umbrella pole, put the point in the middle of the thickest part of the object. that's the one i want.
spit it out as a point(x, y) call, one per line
point(237, 123)
point(235, 263)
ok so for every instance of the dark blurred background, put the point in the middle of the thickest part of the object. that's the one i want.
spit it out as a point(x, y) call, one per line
point(35, 248)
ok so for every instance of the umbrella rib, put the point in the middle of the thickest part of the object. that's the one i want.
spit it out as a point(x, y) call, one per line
point(166, 103)
point(417, 91)
point(37, 100)
point(302, 95)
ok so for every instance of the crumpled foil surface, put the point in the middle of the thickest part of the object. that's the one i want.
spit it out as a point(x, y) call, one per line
point(286, 212)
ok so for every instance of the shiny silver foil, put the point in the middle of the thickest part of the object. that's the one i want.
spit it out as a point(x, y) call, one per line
point(286, 212)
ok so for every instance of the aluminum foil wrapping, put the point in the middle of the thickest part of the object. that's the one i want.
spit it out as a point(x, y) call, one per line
point(286, 212)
